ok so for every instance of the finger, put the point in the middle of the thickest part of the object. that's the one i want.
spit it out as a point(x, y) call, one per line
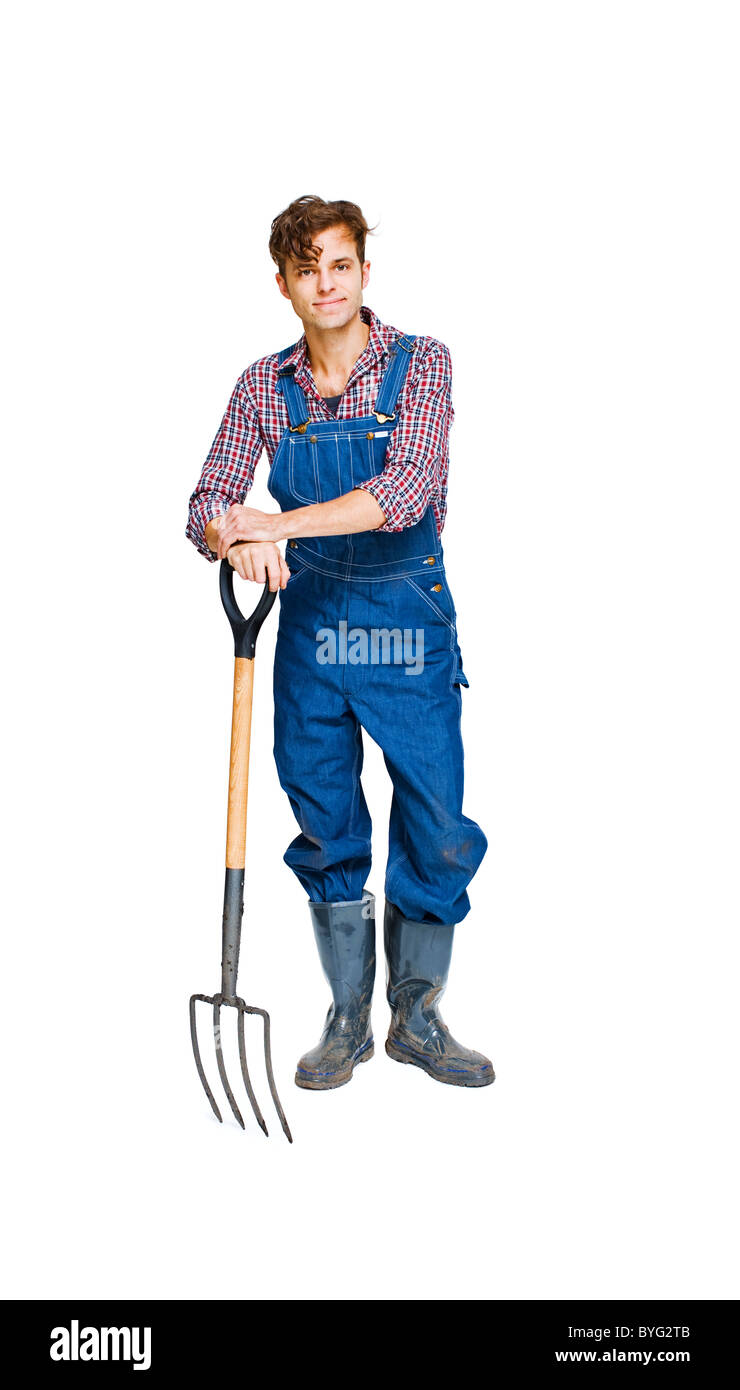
point(228, 538)
point(225, 539)
point(284, 573)
point(273, 571)
point(251, 565)
point(230, 522)
point(224, 523)
point(236, 560)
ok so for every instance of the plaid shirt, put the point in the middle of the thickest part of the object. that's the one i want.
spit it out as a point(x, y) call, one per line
point(414, 475)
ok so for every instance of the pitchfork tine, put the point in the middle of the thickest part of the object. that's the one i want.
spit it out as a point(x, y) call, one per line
point(206, 999)
point(268, 1067)
point(220, 1059)
point(245, 1071)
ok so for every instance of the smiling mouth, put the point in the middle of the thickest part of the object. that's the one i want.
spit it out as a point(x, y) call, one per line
point(327, 303)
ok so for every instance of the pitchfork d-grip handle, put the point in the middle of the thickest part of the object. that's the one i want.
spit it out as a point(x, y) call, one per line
point(245, 630)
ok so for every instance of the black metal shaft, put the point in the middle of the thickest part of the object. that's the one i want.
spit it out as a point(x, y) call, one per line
point(232, 930)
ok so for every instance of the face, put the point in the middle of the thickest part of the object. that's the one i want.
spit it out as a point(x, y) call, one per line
point(326, 293)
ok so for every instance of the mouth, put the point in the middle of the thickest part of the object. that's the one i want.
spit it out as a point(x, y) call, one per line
point(327, 303)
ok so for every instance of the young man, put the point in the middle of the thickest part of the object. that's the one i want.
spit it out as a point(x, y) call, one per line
point(355, 418)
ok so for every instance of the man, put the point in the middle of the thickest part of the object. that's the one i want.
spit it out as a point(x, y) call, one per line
point(355, 418)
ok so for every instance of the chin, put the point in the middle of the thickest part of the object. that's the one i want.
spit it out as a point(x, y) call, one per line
point(342, 317)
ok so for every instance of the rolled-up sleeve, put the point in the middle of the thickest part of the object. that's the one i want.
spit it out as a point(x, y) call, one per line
point(228, 471)
point(416, 458)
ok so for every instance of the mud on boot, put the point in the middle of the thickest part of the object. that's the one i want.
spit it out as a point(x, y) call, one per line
point(417, 965)
point(345, 936)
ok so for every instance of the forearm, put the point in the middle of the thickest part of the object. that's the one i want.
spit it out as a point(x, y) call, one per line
point(211, 535)
point(228, 471)
point(354, 511)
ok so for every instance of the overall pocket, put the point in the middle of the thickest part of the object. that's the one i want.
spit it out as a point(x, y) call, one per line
point(436, 595)
point(366, 452)
point(296, 574)
point(303, 469)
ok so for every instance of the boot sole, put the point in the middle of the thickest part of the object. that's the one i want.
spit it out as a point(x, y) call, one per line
point(338, 1078)
point(448, 1078)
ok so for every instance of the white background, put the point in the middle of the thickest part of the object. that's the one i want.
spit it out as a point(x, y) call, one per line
point(555, 188)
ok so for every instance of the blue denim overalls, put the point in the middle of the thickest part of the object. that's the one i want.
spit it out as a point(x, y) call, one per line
point(367, 638)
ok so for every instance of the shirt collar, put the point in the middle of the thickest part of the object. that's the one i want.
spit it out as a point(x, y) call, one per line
point(381, 337)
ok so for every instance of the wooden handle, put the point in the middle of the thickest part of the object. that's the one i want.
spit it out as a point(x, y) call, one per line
point(241, 725)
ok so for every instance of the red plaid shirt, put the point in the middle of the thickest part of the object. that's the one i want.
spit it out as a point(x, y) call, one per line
point(416, 463)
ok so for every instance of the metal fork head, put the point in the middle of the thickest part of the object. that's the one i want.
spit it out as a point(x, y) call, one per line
point(219, 1001)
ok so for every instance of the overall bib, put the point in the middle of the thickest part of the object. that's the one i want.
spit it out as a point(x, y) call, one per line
point(367, 638)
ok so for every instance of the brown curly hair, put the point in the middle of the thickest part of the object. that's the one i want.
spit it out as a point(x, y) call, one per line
point(293, 230)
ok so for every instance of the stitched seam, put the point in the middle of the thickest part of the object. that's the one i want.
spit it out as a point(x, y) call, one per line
point(299, 495)
point(295, 574)
point(315, 461)
point(280, 449)
point(434, 609)
point(361, 578)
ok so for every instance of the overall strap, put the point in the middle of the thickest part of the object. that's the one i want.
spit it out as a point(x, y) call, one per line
point(298, 412)
point(394, 376)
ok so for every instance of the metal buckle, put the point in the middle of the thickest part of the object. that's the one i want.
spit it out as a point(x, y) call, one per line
point(299, 429)
point(383, 419)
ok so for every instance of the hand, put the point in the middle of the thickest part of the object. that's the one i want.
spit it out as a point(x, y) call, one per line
point(259, 561)
point(247, 524)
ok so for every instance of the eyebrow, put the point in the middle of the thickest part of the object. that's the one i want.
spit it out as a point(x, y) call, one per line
point(302, 264)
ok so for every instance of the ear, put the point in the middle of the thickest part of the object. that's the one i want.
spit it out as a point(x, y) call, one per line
point(365, 273)
point(283, 288)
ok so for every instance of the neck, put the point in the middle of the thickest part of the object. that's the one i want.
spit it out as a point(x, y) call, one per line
point(332, 354)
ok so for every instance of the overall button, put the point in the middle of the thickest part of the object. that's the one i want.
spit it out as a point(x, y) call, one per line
point(430, 560)
point(437, 588)
point(370, 434)
point(312, 438)
point(293, 545)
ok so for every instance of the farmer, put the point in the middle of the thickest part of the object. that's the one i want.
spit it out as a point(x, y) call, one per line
point(355, 417)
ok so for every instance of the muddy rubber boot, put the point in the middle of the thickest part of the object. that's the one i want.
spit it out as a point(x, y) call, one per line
point(345, 936)
point(417, 963)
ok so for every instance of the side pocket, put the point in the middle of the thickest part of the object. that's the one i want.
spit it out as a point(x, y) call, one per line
point(438, 599)
point(295, 575)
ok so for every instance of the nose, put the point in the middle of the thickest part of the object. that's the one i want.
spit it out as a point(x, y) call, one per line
point(325, 280)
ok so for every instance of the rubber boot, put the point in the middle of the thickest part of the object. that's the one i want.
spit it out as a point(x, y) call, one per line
point(345, 936)
point(417, 964)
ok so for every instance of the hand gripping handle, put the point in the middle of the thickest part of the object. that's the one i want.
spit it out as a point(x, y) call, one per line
point(245, 630)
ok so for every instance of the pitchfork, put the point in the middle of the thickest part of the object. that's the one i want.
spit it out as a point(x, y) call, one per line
point(245, 637)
